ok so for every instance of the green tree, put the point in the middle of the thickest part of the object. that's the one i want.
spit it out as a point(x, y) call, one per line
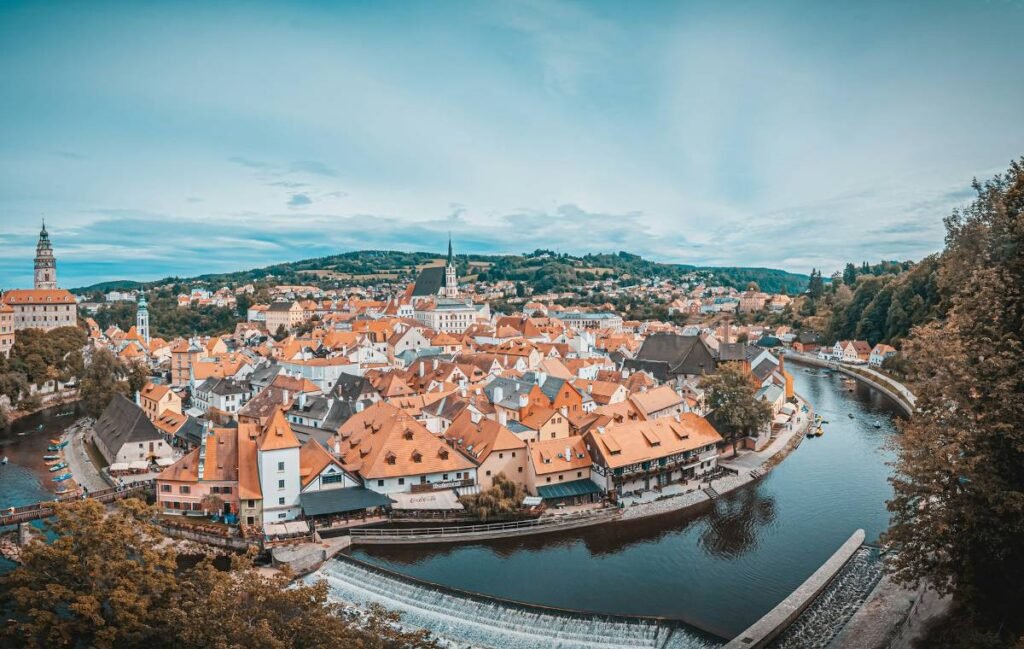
point(138, 376)
point(957, 509)
point(815, 287)
point(100, 382)
point(732, 397)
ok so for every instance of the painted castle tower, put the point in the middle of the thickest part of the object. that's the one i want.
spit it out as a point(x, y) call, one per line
point(46, 263)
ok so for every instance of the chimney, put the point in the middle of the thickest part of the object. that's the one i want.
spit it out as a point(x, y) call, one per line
point(422, 370)
point(568, 454)
point(285, 395)
point(337, 445)
point(302, 400)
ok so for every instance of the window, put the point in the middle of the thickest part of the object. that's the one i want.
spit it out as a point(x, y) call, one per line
point(280, 501)
point(560, 477)
point(488, 473)
point(282, 515)
point(280, 466)
point(225, 490)
point(513, 453)
point(501, 455)
point(252, 503)
point(215, 490)
point(549, 478)
point(184, 489)
point(334, 478)
point(579, 474)
point(401, 481)
point(520, 469)
point(444, 477)
point(380, 483)
point(280, 484)
point(165, 488)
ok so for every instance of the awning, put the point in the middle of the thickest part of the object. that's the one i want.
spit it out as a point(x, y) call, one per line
point(165, 461)
point(532, 501)
point(139, 465)
point(444, 500)
point(340, 501)
point(568, 489)
point(118, 466)
point(781, 419)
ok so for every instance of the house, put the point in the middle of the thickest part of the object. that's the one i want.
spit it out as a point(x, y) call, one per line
point(851, 351)
point(124, 435)
point(636, 456)
point(394, 453)
point(667, 356)
point(221, 398)
point(155, 399)
point(879, 353)
point(559, 471)
point(204, 479)
point(662, 401)
point(491, 446)
point(283, 314)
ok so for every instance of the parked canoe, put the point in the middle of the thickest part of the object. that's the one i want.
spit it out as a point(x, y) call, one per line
point(58, 467)
point(62, 477)
point(65, 490)
point(51, 457)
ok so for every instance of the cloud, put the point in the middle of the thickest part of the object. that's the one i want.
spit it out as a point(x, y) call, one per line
point(299, 200)
point(312, 167)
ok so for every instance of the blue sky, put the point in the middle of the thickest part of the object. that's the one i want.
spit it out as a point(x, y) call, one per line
point(185, 138)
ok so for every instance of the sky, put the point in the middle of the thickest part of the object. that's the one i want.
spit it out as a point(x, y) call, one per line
point(184, 138)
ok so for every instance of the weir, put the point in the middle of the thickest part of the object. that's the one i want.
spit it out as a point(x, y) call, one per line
point(483, 621)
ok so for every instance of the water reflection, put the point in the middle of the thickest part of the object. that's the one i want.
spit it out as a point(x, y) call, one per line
point(733, 526)
point(722, 565)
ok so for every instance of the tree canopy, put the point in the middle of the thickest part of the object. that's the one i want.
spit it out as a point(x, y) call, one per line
point(958, 508)
point(732, 397)
point(109, 581)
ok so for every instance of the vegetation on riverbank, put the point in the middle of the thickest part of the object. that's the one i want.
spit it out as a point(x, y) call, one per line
point(958, 508)
point(108, 581)
point(503, 498)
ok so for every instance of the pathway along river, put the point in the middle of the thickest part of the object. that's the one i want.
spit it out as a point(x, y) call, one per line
point(722, 566)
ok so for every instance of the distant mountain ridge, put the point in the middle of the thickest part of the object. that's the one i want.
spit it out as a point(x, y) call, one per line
point(543, 270)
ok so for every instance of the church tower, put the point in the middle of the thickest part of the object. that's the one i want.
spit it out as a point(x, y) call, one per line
point(142, 318)
point(451, 284)
point(46, 263)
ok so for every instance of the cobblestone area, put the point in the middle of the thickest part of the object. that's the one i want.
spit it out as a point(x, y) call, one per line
point(79, 463)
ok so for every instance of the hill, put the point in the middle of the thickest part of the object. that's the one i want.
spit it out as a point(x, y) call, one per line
point(543, 270)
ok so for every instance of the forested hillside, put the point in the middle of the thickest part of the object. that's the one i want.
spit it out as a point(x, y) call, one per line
point(543, 270)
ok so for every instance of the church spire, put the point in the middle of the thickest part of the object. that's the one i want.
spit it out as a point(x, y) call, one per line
point(450, 257)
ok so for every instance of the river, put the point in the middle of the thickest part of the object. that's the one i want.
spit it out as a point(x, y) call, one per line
point(24, 479)
point(719, 567)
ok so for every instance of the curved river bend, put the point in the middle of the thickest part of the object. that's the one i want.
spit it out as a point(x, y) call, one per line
point(721, 566)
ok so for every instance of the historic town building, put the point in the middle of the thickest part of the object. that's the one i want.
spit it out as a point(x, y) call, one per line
point(44, 306)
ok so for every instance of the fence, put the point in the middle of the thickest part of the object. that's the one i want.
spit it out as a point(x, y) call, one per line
point(513, 528)
point(44, 509)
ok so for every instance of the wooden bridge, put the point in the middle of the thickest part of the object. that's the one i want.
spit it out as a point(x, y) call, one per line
point(44, 509)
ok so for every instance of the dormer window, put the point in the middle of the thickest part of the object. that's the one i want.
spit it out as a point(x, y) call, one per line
point(407, 434)
point(417, 456)
point(443, 453)
point(390, 458)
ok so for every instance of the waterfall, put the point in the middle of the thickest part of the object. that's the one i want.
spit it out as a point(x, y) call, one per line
point(481, 621)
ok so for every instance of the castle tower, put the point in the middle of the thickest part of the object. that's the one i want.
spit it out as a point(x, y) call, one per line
point(451, 284)
point(46, 263)
point(142, 317)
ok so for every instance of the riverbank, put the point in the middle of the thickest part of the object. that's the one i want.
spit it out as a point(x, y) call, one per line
point(890, 387)
point(65, 398)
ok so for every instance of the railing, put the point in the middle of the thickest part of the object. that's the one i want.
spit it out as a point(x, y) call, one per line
point(551, 521)
point(44, 509)
point(427, 487)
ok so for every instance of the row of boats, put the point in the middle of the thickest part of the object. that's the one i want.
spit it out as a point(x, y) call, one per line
point(55, 462)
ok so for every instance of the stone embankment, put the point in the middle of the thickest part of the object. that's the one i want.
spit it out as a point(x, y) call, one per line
point(890, 387)
point(776, 620)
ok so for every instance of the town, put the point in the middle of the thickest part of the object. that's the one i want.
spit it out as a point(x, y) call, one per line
point(324, 410)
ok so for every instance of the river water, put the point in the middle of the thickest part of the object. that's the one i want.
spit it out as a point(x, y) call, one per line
point(719, 567)
point(24, 480)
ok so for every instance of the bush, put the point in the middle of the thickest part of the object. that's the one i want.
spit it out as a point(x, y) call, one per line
point(504, 497)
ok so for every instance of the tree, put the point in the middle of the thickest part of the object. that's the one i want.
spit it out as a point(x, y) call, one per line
point(732, 397)
point(138, 377)
point(281, 333)
point(100, 382)
point(957, 509)
point(815, 287)
point(504, 497)
point(108, 580)
point(850, 275)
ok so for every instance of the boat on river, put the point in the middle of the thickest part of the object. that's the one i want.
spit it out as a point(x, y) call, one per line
point(51, 457)
point(4, 460)
point(62, 477)
point(58, 467)
point(877, 424)
point(66, 490)
point(56, 447)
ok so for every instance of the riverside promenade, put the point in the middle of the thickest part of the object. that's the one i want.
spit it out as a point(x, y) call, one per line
point(890, 387)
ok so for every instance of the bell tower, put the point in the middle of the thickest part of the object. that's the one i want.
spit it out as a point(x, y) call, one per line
point(46, 263)
point(142, 317)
